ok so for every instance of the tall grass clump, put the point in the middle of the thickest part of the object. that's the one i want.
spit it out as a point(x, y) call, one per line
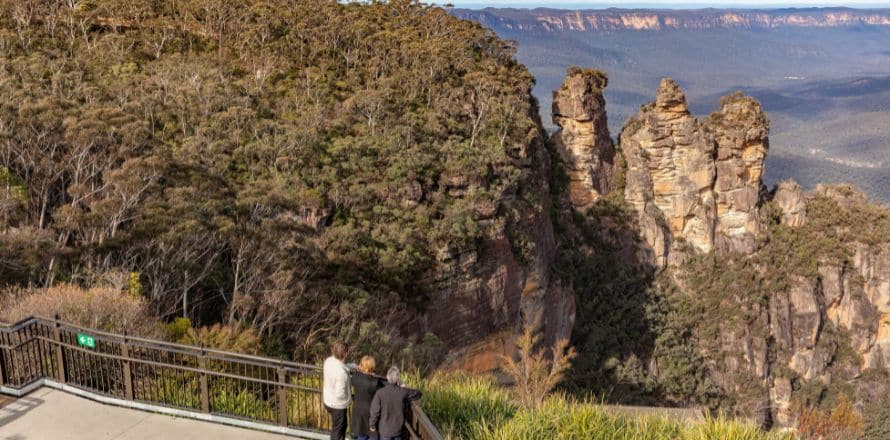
point(460, 403)
point(841, 423)
point(476, 408)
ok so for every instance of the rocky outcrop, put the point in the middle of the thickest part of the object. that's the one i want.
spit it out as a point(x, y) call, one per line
point(670, 176)
point(741, 132)
point(845, 195)
point(695, 184)
point(790, 199)
point(583, 140)
point(483, 295)
point(554, 20)
point(692, 186)
point(835, 324)
point(868, 311)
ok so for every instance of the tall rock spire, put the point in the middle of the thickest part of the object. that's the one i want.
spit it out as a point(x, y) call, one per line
point(583, 140)
point(740, 131)
point(695, 184)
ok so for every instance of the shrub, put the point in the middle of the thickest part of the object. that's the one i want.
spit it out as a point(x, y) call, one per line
point(843, 422)
point(537, 372)
point(101, 308)
point(876, 420)
point(224, 337)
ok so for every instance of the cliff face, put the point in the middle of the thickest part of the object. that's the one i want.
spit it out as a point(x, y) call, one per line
point(794, 286)
point(583, 140)
point(694, 184)
point(555, 20)
point(485, 294)
point(832, 326)
point(740, 130)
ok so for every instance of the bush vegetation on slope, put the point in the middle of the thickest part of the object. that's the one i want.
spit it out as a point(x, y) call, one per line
point(290, 165)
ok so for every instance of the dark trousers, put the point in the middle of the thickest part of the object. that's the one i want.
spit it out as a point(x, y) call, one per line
point(338, 423)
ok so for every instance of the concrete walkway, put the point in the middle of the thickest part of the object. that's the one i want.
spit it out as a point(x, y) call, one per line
point(47, 414)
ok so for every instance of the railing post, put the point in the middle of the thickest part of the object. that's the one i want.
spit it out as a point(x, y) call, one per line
point(60, 352)
point(2, 362)
point(205, 389)
point(128, 369)
point(282, 397)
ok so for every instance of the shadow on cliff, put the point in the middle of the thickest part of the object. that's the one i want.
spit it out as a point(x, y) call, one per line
point(614, 332)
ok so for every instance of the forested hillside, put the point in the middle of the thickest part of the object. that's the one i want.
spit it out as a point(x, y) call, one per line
point(299, 167)
point(286, 173)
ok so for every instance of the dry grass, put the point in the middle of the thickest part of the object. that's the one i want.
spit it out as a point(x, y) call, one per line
point(842, 422)
point(102, 308)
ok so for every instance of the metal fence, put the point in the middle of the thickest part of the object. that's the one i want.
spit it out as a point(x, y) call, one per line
point(165, 375)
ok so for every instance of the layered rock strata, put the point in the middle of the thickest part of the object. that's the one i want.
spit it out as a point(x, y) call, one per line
point(485, 294)
point(851, 296)
point(695, 183)
point(741, 131)
point(607, 20)
point(583, 140)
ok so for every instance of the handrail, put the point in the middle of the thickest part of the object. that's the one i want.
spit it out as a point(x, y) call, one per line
point(158, 374)
point(190, 348)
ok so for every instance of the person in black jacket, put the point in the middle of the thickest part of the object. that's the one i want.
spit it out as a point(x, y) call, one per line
point(389, 406)
point(365, 385)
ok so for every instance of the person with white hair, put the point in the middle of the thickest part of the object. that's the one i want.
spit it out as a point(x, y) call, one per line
point(389, 405)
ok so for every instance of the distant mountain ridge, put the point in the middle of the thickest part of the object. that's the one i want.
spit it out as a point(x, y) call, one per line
point(613, 19)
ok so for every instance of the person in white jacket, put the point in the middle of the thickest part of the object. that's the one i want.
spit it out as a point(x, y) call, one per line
point(335, 392)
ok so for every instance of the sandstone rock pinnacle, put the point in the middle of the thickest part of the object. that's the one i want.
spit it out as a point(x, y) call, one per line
point(741, 134)
point(583, 140)
point(695, 184)
point(671, 99)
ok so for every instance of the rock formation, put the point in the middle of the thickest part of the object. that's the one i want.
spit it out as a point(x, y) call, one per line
point(851, 296)
point(790, 198)
point(554, 20)
point(695, 184)
point(740, 131)
point(483, 295)
point(583, 140)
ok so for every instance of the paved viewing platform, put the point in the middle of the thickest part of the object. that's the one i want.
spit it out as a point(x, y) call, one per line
point(48, 414)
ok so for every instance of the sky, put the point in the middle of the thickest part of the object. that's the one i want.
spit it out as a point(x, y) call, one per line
point(593, 4)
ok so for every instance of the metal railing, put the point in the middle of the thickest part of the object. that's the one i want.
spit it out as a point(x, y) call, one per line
point(191, 380)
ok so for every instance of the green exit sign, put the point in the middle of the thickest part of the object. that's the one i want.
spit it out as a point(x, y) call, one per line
point(86, 340)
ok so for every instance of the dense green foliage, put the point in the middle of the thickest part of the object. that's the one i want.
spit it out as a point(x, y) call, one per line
point(635, 330)
point(290, 165)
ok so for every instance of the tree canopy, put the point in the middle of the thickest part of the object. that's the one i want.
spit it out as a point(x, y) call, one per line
point(294, 165)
